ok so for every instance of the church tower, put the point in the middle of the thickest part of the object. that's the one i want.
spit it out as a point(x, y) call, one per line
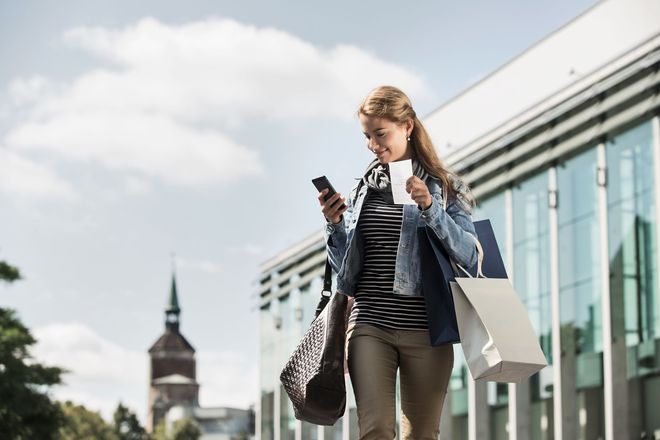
point(173, 367)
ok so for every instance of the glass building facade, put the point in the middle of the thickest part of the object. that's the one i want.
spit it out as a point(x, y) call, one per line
point(576, 221)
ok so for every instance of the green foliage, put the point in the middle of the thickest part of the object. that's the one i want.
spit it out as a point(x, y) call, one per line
point(26, 409)
point(83, 424)
point(8, 273)
point(159, 432)
point(185, 429)
point(127, 426)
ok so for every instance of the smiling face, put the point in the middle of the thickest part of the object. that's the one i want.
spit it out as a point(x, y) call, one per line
point(386, 139)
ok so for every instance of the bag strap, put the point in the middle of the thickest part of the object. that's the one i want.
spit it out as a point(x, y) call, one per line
point(480, 259)
point(327, 277)
point(327, 288)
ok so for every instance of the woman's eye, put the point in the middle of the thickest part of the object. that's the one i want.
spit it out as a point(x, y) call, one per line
point(381, 135)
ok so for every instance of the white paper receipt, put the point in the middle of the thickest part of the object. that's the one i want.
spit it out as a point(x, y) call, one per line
point(400, 172)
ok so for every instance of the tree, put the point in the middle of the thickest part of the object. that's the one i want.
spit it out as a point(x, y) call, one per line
point(9, 273)
point(83, 424)
point(126, 424)
point(26, 409)
point(159, 431)
point(186, 429)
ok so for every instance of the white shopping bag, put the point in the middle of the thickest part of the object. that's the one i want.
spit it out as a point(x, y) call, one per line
point(497, 337)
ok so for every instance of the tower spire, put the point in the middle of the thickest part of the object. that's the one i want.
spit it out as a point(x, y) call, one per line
point(172, 310)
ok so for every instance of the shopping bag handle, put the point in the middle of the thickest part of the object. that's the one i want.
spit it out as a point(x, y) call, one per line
point(480, 251)
point(480, 259)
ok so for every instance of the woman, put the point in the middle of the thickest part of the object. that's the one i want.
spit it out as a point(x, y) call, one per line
point(373, 246)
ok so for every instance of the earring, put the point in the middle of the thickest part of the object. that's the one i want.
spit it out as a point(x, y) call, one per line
point(408, 138)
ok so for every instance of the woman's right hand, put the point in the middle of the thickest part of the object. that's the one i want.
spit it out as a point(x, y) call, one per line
point(332, 208)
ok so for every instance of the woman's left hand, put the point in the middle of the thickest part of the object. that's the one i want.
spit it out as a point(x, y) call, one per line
point(419, 192)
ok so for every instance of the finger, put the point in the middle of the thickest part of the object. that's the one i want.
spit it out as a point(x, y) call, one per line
point(334, 201)
point(322, 195)
point(331, 200)
point(335, 210)
point(337, 203)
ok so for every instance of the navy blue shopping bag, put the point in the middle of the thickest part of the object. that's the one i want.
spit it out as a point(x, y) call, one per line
point(437, 273)
point(493, 265)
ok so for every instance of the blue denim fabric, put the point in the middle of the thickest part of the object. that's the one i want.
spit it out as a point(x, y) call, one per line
point(453, 226)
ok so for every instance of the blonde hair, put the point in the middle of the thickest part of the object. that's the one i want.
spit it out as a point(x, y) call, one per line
point(391, 103)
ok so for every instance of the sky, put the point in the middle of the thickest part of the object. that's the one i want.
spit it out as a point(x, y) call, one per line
point(140, 136)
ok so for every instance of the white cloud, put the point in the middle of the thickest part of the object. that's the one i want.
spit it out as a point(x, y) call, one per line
point(26, 177)
point(210, 70)
point(24, 91)
point(136, 185)
point(103, 373)
point(160, 104)
point(89, 356)
point(151, 145)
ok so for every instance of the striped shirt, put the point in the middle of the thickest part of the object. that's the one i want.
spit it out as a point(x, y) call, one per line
point(375, 302)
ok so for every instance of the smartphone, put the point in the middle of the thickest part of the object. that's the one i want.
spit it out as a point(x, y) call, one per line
point(322, 183)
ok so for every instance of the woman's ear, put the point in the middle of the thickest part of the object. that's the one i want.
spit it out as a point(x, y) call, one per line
point(410, 124)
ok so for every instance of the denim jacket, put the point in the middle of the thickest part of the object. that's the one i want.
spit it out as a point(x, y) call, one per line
point(452, 225)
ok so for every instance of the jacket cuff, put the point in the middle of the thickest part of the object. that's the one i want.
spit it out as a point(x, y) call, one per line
point(431, 213)
point(331, 228)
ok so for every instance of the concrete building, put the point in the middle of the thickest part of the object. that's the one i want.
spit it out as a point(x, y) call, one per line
point(561, 147)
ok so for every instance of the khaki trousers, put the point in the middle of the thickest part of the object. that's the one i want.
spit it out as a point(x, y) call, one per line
point(374, 355)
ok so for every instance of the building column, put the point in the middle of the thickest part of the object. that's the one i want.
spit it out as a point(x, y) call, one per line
point(655, 128)
point(257, 406)
point(277, 413)
point(614, 349)
point(447, 418)
point(478, 414)
point(346, 424)
point(564, 371)
point(518, 425)
point(519, 411)
point(296, 302)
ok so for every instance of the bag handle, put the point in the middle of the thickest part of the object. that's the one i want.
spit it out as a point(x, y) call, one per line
point(480, 259)
point(327, 288)
point(480, 251)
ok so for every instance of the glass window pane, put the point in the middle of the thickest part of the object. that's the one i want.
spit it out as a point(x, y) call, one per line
point(580, 291)
point(494, 209)
point(631, 217)
point(633, 269)
point(531, 278)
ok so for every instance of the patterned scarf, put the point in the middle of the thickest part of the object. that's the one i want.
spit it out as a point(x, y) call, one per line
point(377, 177)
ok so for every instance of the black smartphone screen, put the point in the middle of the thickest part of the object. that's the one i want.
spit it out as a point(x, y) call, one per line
point(322, 183)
